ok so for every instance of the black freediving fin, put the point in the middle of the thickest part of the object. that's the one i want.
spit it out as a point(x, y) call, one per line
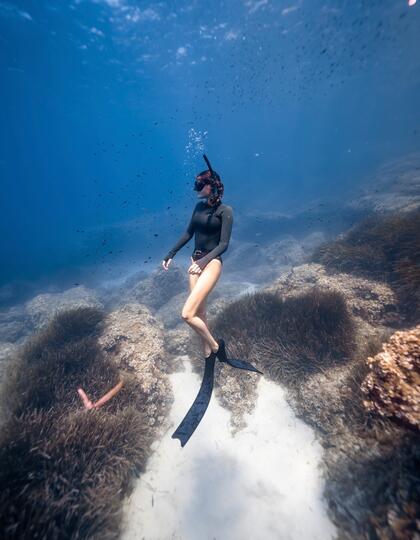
point(234, 362)
point(196, 412)
point(242, 364)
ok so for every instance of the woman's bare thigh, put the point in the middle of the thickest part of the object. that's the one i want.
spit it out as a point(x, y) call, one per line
point(201, 285)
point(192, 278)
point(201, 311)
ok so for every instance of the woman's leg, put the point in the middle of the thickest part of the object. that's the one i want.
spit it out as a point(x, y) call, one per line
point(202, 287)
point(201, 312)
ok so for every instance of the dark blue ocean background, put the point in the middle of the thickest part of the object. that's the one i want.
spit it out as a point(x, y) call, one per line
point(108, 105)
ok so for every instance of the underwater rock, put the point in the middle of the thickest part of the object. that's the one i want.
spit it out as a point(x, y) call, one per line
point(134, 340)
point(285, 251)
point(266, 261)
point(42, 308)
point(313, 240)
point(372, 301)
point(7, 349)
point(394, 186)
point(170, 312)
point(392, 387)
point(158, 288)
point(177, 341)
point(112, 294)
point(135, 278)
point(133, 336)
point(8, 352)
point(383, 248)
point(15, 324)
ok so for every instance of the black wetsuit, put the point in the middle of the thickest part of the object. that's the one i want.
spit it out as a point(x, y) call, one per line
point(212, 227)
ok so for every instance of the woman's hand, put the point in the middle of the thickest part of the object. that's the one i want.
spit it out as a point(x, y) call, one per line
point(194, 268)
point(166, 264)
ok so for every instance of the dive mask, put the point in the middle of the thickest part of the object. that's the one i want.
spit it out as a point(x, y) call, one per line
point(202, 180)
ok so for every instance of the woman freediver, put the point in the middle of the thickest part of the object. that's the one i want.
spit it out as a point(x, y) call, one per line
point(211, 221)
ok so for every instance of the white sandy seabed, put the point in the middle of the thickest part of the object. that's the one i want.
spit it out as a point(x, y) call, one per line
point(263, 483)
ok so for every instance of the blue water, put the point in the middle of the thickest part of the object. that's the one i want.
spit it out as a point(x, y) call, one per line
point(108, 105)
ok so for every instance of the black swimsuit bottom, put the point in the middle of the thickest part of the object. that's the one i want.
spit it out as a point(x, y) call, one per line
point(197, 254)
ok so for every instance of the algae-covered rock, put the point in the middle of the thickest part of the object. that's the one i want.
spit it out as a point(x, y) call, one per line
point(392, 387)
point(43, 307)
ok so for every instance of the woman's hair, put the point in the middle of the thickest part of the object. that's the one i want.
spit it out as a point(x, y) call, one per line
point(217, 186)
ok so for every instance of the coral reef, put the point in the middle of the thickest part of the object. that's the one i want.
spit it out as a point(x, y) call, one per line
point(392, 386)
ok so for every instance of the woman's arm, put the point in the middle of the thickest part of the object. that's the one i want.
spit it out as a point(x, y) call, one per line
point(225, 233)
point(186, 236)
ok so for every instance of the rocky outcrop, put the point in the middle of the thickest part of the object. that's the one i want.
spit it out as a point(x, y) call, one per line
point(42, 308)
point(170, 313)
point(265, 262)
point(392, 386)
point(372, 301)
point(15, 324)
point(394, 186)
point(157, 289)
point(8, 352)
point(133, 339)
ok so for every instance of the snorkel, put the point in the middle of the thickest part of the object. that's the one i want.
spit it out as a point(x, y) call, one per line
point(204, 178)
point(210, 177)
point(206, 159)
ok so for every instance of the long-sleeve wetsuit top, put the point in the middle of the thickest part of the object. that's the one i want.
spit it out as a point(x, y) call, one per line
point(212, 228)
